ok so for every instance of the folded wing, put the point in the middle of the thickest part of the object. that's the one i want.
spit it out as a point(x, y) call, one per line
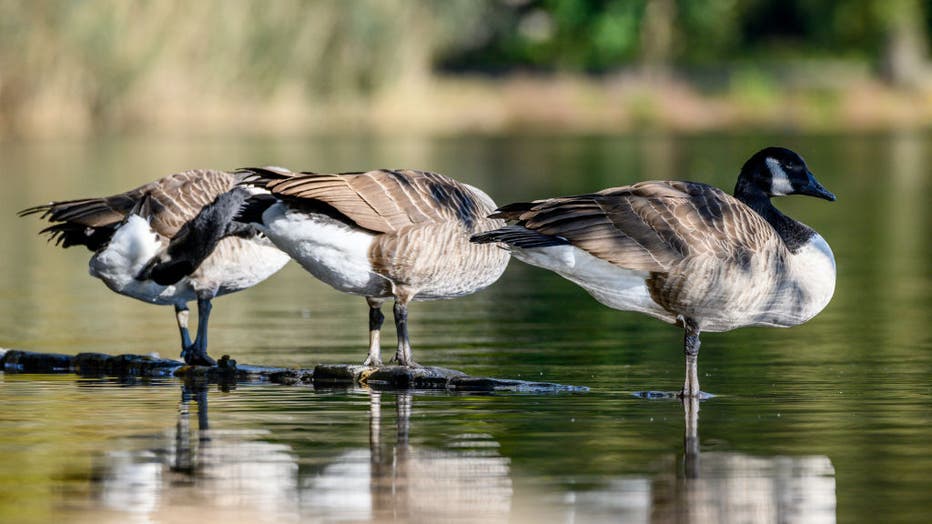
point(649, 226)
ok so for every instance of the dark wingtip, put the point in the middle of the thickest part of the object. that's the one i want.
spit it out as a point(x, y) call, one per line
point(43, 208)
point(518, 236)
point(512, 211)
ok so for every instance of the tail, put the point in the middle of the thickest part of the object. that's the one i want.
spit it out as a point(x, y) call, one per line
point(86, 222)
point(518, 236)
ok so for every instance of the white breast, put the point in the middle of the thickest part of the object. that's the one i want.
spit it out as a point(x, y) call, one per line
point(332, 251)
point(813, 270)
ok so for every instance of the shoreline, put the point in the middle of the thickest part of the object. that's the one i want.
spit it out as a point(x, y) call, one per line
point(476, 105)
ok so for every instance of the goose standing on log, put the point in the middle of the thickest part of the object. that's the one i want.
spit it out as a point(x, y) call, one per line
point(400, 234)
point(684, 252)
point(170, 242)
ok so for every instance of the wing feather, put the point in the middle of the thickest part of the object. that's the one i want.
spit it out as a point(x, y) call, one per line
point(170, 203)
point(382, 200)
point(650, 226)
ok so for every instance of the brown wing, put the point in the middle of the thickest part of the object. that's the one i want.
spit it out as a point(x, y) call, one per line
point(382, 200)
point(169, 203)
point(648, 226)
point(179, 198)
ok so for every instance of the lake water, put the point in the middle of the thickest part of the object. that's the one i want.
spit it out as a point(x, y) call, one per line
point(822, 422)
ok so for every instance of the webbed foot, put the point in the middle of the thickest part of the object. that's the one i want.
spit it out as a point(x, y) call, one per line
point(195, 356)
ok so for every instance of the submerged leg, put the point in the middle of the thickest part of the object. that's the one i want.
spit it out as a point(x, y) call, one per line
point(691, 350)
point(375, 332)
point(403, 354)
point(196, 353)
point(181, 316)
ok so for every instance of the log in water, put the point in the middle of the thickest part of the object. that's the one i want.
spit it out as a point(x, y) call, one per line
point(227, 370)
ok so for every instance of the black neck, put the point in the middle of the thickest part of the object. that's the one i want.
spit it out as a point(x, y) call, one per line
point(794, 234)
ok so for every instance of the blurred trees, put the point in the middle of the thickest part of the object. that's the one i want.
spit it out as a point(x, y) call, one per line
point(105, 64)
point(602, 35)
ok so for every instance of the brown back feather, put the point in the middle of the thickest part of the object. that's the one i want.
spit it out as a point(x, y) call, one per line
point(383, 200)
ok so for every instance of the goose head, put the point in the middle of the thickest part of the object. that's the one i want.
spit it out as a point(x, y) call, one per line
point(777, 171)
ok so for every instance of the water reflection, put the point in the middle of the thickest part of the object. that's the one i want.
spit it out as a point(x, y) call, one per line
point(204, 469)
point(411, 483)
point(717, 486)
point(201, 468)
point(198, 469)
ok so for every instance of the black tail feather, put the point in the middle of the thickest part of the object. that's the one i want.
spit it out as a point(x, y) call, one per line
point(67, 234)
point(518, 236)
point(513, 211)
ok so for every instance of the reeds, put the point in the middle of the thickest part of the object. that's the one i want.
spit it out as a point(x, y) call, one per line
point(112, 65)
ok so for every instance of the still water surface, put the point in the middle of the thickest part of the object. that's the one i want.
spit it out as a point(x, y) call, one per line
point(823, 422)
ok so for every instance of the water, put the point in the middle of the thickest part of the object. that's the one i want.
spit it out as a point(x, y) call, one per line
point(822, 422)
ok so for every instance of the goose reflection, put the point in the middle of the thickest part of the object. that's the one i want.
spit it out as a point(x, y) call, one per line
point(737, 487)
point(414, 484)
point(196, 471)
point(719, 487)
point(233, 474)
point(203, 471)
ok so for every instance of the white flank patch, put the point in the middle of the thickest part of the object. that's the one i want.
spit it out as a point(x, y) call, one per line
point(132, 245)
point(780, 183)
point(617, 288)
point(330, 250)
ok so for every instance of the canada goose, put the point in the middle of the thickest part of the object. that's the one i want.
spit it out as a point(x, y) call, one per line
point(684, 252)
point(169, 242)
point(385, 233)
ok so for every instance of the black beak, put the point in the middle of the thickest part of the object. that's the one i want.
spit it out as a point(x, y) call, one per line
point(814, 188)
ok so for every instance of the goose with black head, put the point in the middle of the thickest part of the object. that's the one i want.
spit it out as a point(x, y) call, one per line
point(684, 252)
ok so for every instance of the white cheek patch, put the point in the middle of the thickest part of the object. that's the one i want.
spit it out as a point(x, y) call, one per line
point(779, 182)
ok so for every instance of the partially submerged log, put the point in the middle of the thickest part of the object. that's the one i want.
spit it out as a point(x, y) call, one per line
point(228, 371)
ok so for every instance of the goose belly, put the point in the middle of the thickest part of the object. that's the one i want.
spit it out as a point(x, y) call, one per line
point(615, 287)
point(237, 264)
point(437, 260)
point(128, 251)
point(332, 251)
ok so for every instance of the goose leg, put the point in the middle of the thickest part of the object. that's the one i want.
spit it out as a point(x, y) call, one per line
point(181, 316)
point(375, 332)
point(691, 350)
point(403, 354)
point(196, 353)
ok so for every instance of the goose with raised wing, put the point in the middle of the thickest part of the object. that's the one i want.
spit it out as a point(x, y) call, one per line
point(400, 234)
point(169, 242)
point(684, 252)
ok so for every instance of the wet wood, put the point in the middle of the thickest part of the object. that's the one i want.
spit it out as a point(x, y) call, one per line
point(227, 370)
